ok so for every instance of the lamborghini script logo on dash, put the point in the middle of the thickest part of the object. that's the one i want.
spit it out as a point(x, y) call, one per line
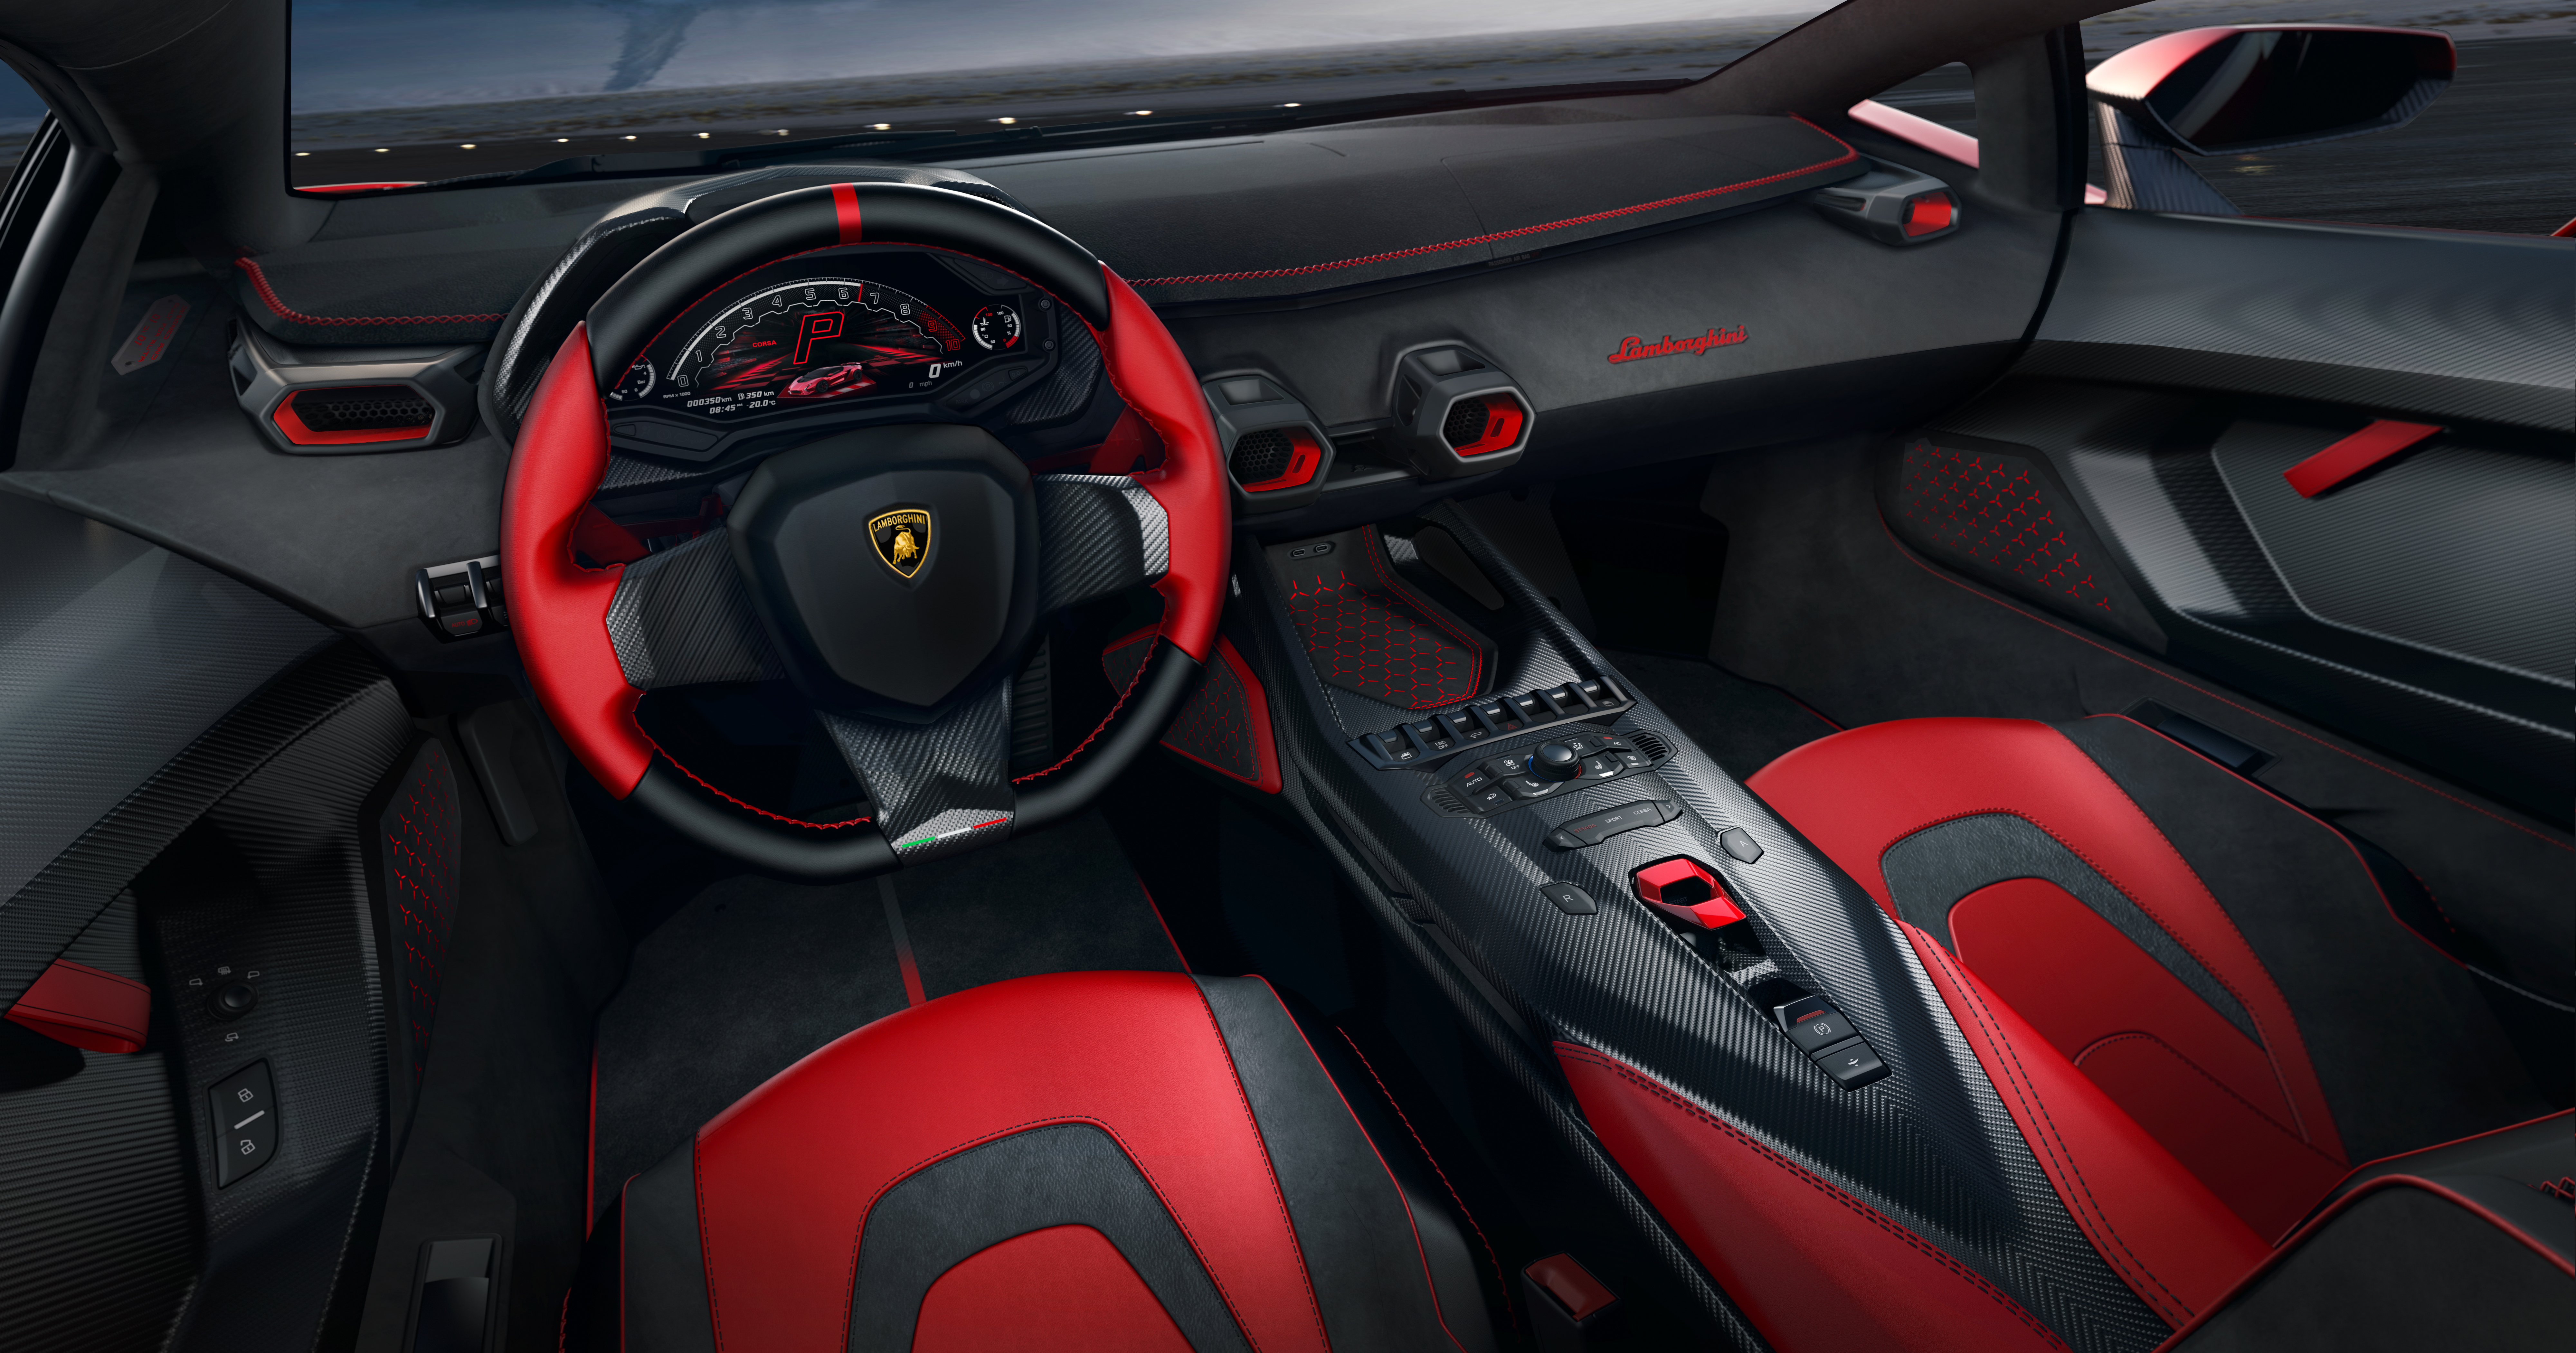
point(902, 538)
point(1632, 348)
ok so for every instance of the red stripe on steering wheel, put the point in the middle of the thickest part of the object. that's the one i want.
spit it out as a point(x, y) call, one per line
point(845, 208)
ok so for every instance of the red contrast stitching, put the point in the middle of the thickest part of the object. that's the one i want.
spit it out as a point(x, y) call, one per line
point(1846, 157)
point(2222, 1086)
point(1910, 558)
point(1235, 1077)
point(1384, 568)
point(2056, 1146)
point(1105, 719)
point(1821, 1185)
point(747, 807)
point(1389, 1096)
point(268, 295)
point(859, 1232)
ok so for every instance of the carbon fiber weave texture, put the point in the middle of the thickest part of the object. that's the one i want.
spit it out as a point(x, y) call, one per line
point(1931, 1147)
point(683, 616)
point(937, 787)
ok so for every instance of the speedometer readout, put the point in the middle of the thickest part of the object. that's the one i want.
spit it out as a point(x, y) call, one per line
point(803, 343)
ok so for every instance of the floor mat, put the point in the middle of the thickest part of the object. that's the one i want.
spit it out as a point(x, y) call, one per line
point(1744, 724)
point(753, 973)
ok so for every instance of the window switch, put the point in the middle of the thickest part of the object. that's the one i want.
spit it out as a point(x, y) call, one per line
point(1852, 1063)
point(1814, 1024)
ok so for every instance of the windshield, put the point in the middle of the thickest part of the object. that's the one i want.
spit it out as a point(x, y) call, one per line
point(398, 91)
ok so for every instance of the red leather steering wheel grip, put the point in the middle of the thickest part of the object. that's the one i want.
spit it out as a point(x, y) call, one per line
point(559, 609)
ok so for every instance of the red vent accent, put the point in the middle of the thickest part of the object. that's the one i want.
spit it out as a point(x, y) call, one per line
point(1295, 462)
point(1990, 508)
point(1482, 424)
point(1930, 214)
point(354, 416)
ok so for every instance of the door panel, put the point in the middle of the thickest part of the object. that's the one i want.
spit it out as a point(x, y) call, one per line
point(2185, 362)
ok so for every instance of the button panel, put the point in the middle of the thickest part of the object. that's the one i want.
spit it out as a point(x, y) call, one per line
point(1492, 717)
point(243, 1108)
point(1594, 828)
point(1828, 1038)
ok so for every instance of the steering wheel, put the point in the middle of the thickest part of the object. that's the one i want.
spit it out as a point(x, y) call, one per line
point(894, 574)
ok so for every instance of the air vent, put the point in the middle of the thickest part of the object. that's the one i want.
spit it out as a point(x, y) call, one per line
point(1445, 800)
point(1456, 414)
point(364, 408)
point(1484, 423)
point(1652, 745)
point(1262, 456)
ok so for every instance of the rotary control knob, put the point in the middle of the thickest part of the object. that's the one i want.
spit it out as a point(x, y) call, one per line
point(233, 1000)
point(1555, 761)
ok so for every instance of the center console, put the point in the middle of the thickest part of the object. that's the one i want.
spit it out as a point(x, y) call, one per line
point(1591, 890)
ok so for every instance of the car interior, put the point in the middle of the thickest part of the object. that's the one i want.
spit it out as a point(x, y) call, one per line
point(1719, 717)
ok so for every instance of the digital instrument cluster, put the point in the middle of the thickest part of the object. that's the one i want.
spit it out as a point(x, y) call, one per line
point(831, 329)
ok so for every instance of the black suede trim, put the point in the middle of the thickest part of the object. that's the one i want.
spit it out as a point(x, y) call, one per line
point(662, 1270)
point(2402, 1040)
point(1367, 1269)
point(1059, 1175)
point(1927, 873)
point(2400, 1270)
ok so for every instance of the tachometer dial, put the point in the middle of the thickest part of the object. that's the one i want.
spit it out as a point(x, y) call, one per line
point(637, 384)
point(996, 328)
point(807, 342)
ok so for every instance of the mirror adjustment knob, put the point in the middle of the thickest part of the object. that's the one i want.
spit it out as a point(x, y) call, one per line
point(1555, 761)
point(233, 1000)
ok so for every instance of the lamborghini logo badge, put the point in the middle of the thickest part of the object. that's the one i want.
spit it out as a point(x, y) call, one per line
point(902, 539)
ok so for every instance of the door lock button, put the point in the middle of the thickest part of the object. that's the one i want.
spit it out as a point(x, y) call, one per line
point(243, 1109)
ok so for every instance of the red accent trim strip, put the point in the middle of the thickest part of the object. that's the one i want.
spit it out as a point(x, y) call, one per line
point(1910, 557)
point(1588, 218)
point(2281, 1253)
point(2565, 231)
point(91, 1010)
point(2385, 437)
point(1398, 1109)
point(268, 296)
point(292, 424)
point(1571, 1284)
point(845, 209)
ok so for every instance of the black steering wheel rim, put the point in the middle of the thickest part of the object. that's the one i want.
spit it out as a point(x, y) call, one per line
point(559, 608)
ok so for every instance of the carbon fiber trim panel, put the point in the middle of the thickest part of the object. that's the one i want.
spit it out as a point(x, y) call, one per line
point(114, 655)
point(1067, 389)
point(100, 1246)
point(1931, 1146)
point(2141, 467)
point(635, 472)
point(682, 617)
point(59, 902)
point(939, 787)
point(2455, 548)
point(2449, 324)
point(286, 906)
point(1100, 535)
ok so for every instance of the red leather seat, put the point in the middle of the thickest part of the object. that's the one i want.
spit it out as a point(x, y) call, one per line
point(2220, 963)
point(1070, 1162)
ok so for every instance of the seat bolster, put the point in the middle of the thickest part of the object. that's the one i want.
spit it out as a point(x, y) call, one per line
point(662, 1276)
point(2167, 1236)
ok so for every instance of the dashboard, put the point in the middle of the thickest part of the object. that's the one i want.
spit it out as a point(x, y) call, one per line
point(871, 331)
